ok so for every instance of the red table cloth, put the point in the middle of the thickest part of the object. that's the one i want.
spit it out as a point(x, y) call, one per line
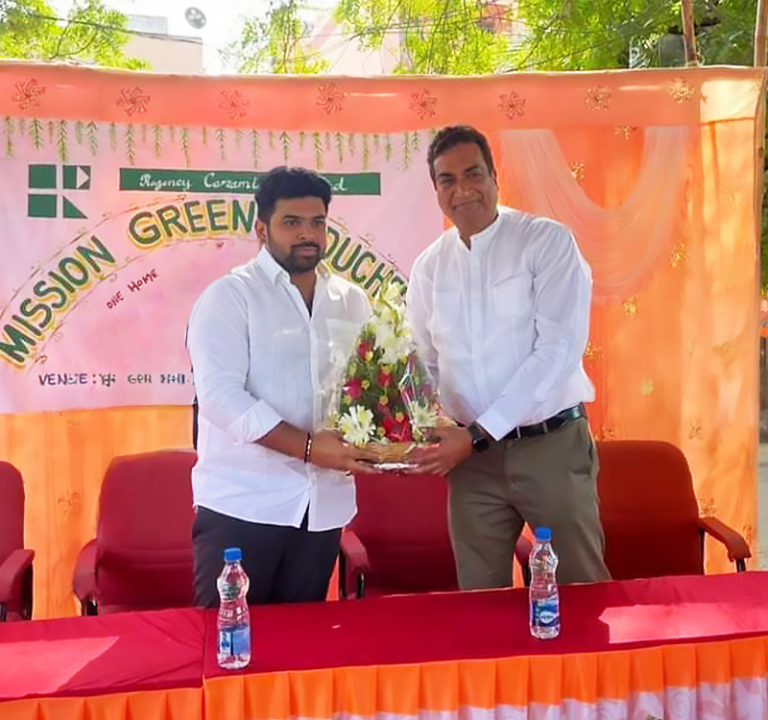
point(132, 666)
point(674, 648)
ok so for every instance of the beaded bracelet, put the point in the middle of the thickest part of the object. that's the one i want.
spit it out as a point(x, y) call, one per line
point(308, 448)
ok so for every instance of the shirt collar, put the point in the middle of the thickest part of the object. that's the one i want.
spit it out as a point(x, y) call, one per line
point(484, 236)
point(275, 271)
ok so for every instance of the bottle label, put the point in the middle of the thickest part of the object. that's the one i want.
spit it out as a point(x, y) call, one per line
point(229, 591)
point(545, 613)
point(235, 642)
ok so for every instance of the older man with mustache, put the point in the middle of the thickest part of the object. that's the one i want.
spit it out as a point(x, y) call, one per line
point(499, 307)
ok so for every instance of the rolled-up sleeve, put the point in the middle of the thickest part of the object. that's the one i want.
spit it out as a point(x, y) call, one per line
point(219, 349)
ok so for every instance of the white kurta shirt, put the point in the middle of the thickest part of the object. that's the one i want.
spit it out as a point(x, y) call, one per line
point(259, 358)
point(504, 325)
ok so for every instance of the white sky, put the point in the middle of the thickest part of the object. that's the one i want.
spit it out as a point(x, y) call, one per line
point(222, 27)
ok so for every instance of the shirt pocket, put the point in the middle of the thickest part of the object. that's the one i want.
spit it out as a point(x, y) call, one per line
point(513, 296)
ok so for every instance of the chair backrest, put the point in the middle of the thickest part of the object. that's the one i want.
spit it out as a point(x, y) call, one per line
point(11, 510)
point(649, 510)
point(402, 521)
point(144, 532)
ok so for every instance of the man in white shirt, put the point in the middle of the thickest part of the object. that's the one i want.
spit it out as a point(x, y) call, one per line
point(265, 343)
point(499, 306)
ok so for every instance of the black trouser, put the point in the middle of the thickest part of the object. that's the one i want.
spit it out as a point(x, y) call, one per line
point(283, 564)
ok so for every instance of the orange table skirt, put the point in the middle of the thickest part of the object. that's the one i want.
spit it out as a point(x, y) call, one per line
point(713, 680)
point(179, 704)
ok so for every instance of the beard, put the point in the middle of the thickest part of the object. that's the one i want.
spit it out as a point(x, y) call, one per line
point(298, 260)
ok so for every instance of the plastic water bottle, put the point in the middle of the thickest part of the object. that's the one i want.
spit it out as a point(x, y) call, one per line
point(234, 623)
point(544, 601)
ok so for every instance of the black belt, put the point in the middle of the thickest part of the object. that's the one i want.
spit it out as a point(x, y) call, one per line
point(548, 426)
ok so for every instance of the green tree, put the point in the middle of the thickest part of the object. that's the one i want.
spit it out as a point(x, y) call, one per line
point(92, 33)
point(594, 35)
point(463, 37)
point(449, 37)
point(275, 43)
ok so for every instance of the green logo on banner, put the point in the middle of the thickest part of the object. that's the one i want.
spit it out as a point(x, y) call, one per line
point(46, 204)
point(233, 181)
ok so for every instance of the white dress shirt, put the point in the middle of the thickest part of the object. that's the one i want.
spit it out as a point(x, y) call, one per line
point(259, 358)
point(503, 326)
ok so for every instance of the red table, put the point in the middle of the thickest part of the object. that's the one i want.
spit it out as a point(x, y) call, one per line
point(659, 647)
point(674, 648)
point(144, 666)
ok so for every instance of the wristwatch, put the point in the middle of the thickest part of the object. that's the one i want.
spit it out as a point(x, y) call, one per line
point(480, 442)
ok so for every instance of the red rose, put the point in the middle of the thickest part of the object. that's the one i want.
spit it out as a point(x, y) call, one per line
point(354, 388)
point(385, 379)
point(397, 431)
point(364, 349)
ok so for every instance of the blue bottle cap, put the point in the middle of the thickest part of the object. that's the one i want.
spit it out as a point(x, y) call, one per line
point(543, 534)
point(233, 555)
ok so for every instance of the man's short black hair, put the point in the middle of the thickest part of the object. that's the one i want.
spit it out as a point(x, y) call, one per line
point(284, 183)
point(454, 135)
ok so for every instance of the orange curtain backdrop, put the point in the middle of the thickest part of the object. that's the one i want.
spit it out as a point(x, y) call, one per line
point(675, 360)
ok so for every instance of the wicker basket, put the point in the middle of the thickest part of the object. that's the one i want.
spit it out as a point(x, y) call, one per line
point(391, 452)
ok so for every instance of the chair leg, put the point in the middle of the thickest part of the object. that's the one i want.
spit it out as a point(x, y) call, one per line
point(526, 570)
point(342, 576)
point(3, 612)
point(88, 607)
point(741, 564)
point(360, 586)
point(26, 594)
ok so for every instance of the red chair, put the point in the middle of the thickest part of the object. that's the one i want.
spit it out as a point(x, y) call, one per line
point(15, 562)
point(650, 514)
point(141, 558)
point(399, 541)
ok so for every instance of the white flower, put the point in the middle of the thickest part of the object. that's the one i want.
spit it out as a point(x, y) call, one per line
point(356, 426)
point(381, 329)
point(392, 294)
point(389, 306)
point(393, 344)
point(422, 416)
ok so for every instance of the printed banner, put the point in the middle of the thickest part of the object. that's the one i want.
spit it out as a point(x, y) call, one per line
point(111, 232)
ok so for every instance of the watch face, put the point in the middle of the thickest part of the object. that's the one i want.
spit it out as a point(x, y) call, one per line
point(479, 440)
point(481, 444)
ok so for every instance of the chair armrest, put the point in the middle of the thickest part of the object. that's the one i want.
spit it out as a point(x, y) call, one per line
point(12, 573)
point(355, 553)
point(735, 544)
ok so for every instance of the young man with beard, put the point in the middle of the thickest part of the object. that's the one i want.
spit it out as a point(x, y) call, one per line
point(261, 341)
point(499, 306)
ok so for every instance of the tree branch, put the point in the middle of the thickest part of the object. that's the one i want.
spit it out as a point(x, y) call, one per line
point(57, 52)
point(428, 62)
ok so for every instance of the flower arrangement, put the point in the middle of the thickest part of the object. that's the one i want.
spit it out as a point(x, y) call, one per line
point(387, 401)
